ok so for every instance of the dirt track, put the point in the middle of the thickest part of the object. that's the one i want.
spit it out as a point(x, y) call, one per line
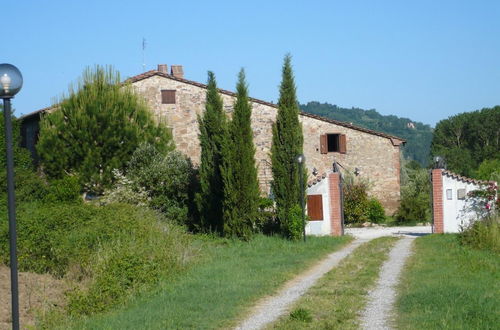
point(36, 294)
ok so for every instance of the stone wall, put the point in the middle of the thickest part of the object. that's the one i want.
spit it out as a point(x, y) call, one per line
point(375, 156)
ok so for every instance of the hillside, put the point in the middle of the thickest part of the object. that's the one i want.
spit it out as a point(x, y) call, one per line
point(417, 135)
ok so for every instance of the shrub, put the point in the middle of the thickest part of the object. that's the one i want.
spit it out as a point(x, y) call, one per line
point(356, 202)
point(266, 217)
point(155, 251)
point(293, 227)
point(110, 251)
point(415, 196)
point(165, 178)
point(376, 212)
point(482, 234)
point(67, 189)
point(125, 191)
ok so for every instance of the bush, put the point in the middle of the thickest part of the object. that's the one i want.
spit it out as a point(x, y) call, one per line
point(356, 203)
point(110, 251)
point(376, 212)
point(125, 191)
point(155, 251)
point(67, 189)
point(161, 181)
point(266, 217)
point(482, 234)
point(415, 196)
point(293, 227)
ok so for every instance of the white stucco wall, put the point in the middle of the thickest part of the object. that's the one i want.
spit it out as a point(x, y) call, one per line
point(457, 213)
point(316, 227)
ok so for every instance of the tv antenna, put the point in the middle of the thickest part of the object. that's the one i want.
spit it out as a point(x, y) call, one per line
point(143, 54)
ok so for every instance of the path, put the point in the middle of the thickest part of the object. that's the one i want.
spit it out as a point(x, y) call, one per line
point(269, 309)
point(381, 299)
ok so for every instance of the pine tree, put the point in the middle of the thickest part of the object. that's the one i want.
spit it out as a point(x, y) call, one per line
point(241, 187)
point(286, 146)
point(212, 136)
point(96, 129)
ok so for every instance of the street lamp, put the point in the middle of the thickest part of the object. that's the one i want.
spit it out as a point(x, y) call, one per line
point(11, 82)
point(301, 160)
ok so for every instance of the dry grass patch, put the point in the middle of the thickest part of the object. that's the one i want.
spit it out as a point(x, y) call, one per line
point(37, 295)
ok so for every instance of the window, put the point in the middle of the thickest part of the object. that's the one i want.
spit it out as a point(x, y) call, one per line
point(168, 96)
point(333, 143)
point(449, 194)
point(460, 194)
point(315, 207)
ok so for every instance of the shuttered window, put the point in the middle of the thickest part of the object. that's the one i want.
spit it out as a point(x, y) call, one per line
point(333, 143)
point(315, 207)
point(168, 96)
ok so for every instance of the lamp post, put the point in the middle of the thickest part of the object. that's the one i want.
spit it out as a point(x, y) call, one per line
point(301, 160)
point(11, 82)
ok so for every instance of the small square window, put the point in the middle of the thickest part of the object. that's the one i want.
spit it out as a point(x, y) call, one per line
point(461, 194)
point(449, 194)
point(168, 96)
point(333, 142)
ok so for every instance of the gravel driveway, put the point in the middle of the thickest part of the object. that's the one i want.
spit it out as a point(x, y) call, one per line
point(271, 308)
point(374, 232)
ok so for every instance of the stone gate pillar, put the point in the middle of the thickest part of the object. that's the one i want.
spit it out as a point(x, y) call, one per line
point(335, 204)
point(437, 201)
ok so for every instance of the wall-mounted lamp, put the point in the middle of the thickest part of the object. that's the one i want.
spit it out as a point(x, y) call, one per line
point(315, 171)
point(357, 171)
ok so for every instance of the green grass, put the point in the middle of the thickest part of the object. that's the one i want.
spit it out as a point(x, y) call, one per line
point(228, 280)
point(336, 300)
point(449, 286)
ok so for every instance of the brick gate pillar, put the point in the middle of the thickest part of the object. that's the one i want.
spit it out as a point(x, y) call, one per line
point(437, 200)
point(335, 204)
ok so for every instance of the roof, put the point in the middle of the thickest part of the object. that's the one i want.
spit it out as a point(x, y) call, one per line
point(466, 179)
point(394, 139)
point(316, 180)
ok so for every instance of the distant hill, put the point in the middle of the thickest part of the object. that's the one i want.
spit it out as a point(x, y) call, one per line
point(418, 136)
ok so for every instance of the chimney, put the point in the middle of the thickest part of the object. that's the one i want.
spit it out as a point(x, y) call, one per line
point(177, 71)
point(163, 68)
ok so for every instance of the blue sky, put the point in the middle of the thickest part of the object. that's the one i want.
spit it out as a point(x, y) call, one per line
point(425, 60)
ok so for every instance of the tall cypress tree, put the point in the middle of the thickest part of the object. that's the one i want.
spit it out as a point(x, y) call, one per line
point(286, 146)
point(212, 136)
point(241, 187)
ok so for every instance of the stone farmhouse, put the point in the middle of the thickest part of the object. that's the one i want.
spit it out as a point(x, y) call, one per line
point(177, 101)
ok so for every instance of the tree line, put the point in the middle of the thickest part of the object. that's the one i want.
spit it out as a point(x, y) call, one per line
point(470, 143)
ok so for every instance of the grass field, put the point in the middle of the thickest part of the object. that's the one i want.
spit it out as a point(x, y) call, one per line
point(228, 279)
point(449, 286)
point(336, 300)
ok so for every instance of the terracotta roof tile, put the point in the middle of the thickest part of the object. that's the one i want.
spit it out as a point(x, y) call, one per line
point(466, 179)
point(316, 180)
